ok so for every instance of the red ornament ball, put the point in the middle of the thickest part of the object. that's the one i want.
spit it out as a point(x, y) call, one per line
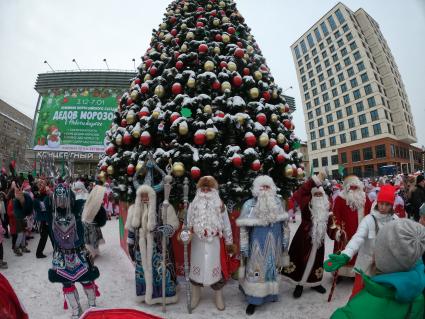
point(239, 53)
point(237, 161)
point(246, 71)
point(153, 70)
point(145, 138)
point(131, 169)
point(148, 62)
point(176, 88)
point(179, 65)
point(256, 165)
point(203, 48)
point(266, 96)
point(137, 81)
point(280, 158)
point(250, 139)
point(123, 123)
point(287, 123)
point(223, 64)
point(216, 85)
point(239, 44)
point(143, 112)
point(262, 119)
point(144, 88)
point(127, 139)
point(219, 114)
point(231, 30)
point(129, 101)
point(199, 138)
point(195, 172)
point(237, 80)
point(174, 117)
point(218, 37)
point(110, 150)
point(272, 143)
point(173, 32)
point(286, 147)
point(199, 24)
point(173, 19)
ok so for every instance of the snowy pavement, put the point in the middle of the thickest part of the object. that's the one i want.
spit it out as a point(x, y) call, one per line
point(43, 299)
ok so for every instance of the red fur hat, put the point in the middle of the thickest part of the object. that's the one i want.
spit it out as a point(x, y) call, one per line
point(386, 194)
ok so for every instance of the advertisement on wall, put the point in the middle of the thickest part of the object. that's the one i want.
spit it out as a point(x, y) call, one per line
point(75, 120)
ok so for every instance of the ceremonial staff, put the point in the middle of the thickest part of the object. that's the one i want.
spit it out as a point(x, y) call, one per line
point(185, 238)
point(342, 244)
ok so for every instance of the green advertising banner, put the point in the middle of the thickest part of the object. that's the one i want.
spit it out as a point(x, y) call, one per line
point(75, 120)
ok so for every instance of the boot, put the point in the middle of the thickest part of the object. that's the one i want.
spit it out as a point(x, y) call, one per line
point(298, 291)
point(71, 295)
point(17, 251)
point(25, 250)
point(250, 309)
point(218, 299)
point(3, 264)
point(196, 296)
point(90, 291)
point(320, 289)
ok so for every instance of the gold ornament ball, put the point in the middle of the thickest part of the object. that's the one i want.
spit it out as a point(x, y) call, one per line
point(209, 6)
point(263, 140)
point(110, 170)
point(131, 117)
point(147, 77)
point(208, 109)
point(183, 48)
point(191, 82)
point(163, 56)
point(134, 94)
point(250, 37)
point(118, 140)
point(210, 134)
point(216, 22)
point(163, 26)
point(185, 8)
point(155, 114)
point(282, 108)
point(245, 57)
point(226, 38)
point(159, 91)
point(254, 93)
point(249, 49)
point(190, 36)
point(139, 166)
point(216, 50)
point(225, 86)
point(288, 171)
point(240, 119)
point(225, 20)
point(136, 133)
point(161, 35)
point(231, 66)
point(300, 173)
point(102, 176)
point(183, 129)
point(258, 75)
point(209, 66)
point(183, 26)
point(222, 4)
point(274, 118)
point(274, 94)
point(178, 169)
point(281, 138)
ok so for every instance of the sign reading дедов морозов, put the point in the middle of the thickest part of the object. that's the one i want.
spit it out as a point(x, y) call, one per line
point(75, 120)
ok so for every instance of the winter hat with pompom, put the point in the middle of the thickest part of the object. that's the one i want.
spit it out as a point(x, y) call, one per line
point(399, 245)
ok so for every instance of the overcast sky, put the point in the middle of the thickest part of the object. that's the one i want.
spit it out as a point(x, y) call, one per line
point(32, 31)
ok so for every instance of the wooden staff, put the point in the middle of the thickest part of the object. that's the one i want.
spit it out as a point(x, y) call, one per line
point(341, 245)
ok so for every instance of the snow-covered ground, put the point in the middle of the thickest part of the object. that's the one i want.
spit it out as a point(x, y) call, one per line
point(43, 299)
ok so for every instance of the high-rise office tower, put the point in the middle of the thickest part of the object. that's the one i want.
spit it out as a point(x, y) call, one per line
point(356, 109)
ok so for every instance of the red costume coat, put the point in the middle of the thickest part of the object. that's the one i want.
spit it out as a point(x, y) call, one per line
point(348, 220)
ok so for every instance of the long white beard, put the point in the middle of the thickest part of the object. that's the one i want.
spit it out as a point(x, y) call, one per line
point(266, 207)
point(205, 215)
point(319, 208)
point(355, 199)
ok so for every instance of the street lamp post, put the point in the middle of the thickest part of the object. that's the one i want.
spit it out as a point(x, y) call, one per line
point(104, 60)
point(423, 158)
point(73, 60)
point(45, 62)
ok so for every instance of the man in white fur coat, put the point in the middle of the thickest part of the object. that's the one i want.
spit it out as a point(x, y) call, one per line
point(264, 242)
point(144, 245)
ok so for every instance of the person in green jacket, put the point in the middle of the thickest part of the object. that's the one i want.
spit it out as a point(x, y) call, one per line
point(397, 292)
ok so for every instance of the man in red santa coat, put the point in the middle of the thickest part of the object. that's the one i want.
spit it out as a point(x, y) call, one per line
point(349, 208)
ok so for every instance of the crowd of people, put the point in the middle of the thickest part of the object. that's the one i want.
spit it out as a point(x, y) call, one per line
point(378, 229)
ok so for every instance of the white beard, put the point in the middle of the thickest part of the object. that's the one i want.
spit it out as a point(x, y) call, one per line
point(319, 208)
point(266, 207)
point(205, 215)
point(355, 199)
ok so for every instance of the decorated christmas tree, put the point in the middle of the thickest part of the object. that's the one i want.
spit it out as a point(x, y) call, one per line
point(204, 102)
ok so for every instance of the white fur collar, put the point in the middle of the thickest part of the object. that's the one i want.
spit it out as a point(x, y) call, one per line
point(93, 203)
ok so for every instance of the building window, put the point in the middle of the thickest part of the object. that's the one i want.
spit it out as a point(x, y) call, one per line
point(322, 143)
point(308, 64)
point(334, 159)
point(316, 101)
point(337, 103)
point(323, 87)
point(329, 72)
point(302, 70)
point(324, 28)
point(307, 96)
point(380, 151)
point(377, 129)
point(357, 56)
point(331, 129)
point(318, 111)
point(332, 23)
point(353, 135)
point(368, 171)
point(360, 66)
point(303, 47)
point(343, 138)
point(353, 45)
point(327, 107)
point(345, 28)
point(359, 106)
point(332, 141)
point(321, 46)
point(344, 52)
point(324, 161)
point(324, 54)
point(347, 61)
point(319, 122)
point(355, 156)
point(332, 82)
point(339, 16)
point(311, 125)
point(365, 132)
point(350, 72)
point(310, 115)
point(371, 101)
point(362, 119)
point(312, 135)
point(327, 63)
point(338, 67)
point(313, 146)
point(316, 60)
point(341, 77)
point(337, 34)
point(308, 105)
point(368, 89)
point(349, 110)
point(364, 77)
point(356, 94)
point(353, 82)
point(315, 162)
point(310, 40)
point(344, 158)
point(351, 122)
point(346, 98)
point(313, 82)
point(297, 52)
point(321, 132)
point(319, 69)
point(343, 88)
point(374, 115)
point(367, 153)
point(310, 74)
point(314, 52)
point(303, 78)
point(341, 126)
point(329, 118)
point(340, 43)
point(357, 170)
point(334, 92)
point(321, 77)
point(317, 34)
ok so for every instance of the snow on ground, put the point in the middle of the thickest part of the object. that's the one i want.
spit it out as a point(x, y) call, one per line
point(43, 299)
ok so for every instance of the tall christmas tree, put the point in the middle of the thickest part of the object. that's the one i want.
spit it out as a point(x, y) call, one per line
point(203, 100)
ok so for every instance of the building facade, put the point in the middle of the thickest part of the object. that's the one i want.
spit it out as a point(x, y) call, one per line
point(352, 92)
point(14, 137)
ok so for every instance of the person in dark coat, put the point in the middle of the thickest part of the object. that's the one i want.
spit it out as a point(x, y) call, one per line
point(418, 196)
point(43, 215)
